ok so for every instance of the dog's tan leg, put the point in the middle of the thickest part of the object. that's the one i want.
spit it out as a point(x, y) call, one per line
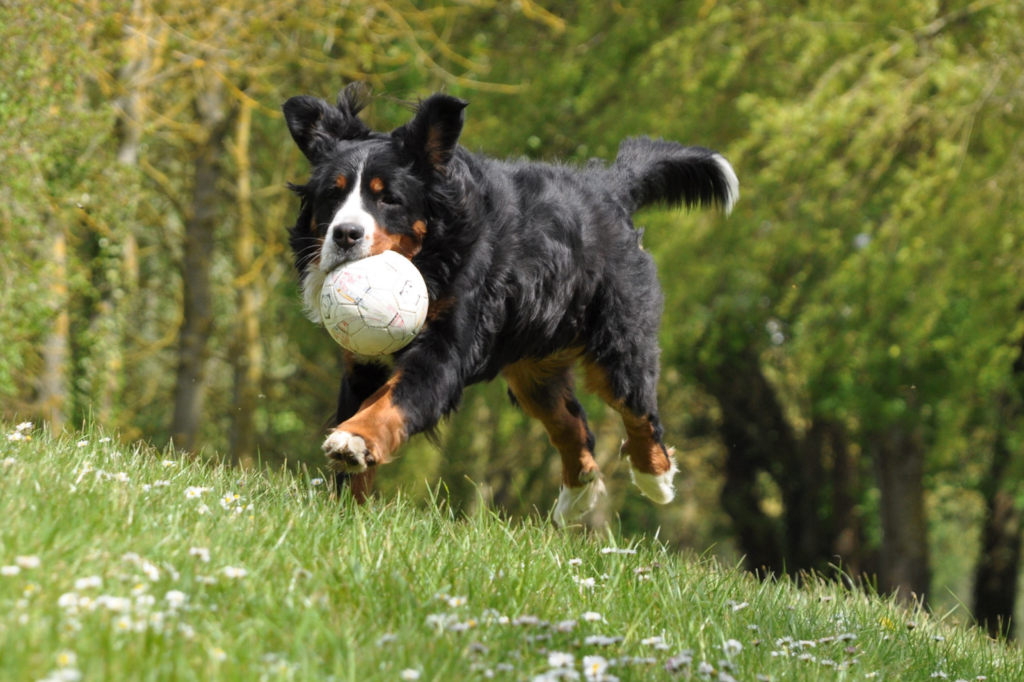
point(652, 464)
point(544, 390)
point(370, 437)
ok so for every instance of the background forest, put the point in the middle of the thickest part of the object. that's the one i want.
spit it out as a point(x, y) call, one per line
point(843, 357)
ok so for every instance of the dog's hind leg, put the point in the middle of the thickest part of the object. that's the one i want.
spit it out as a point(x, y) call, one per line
point(623, 386)
point(359, 383)
point(544, 391)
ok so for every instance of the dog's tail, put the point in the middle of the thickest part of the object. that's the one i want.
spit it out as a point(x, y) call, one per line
point(651, 171)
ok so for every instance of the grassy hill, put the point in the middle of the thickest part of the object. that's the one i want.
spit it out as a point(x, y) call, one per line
point(122, 563)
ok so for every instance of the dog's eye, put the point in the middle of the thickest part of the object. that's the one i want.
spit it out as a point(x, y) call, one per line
point(389, 201)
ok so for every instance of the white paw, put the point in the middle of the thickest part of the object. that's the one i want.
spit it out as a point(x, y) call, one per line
point(347, 453)
point(575, 502)
point(657, 487)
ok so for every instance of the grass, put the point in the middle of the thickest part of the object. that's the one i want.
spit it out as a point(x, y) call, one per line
point(105, 576)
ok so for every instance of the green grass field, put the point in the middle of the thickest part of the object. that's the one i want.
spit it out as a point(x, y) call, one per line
point(121, 563)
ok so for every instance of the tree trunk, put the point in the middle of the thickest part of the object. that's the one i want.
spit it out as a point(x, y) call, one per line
point(757, 437)
point(197, 314)
point(847, 540)
point(53, 384)
point(247, 357)
point(995, 576)
point(899, 470)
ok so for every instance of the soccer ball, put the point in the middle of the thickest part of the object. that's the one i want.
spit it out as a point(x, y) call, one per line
point(375, 305)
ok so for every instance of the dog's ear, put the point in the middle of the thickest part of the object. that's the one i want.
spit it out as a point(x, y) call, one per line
point(431, 136)
point(317, 127)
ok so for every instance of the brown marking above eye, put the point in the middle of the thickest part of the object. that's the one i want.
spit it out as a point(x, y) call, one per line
point(377, 185)
point(341, 182)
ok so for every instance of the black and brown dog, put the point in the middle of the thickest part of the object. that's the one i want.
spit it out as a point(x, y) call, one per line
point(531, 268)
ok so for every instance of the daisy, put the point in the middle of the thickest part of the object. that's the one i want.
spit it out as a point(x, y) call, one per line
point(233, 572)
point(10, 570)
point(410, 674)
point(592, 616)
point(200, 553)
point(731, 647)
point(175, 599)
point(557, 659)
point(594, 666)
point(86, 583)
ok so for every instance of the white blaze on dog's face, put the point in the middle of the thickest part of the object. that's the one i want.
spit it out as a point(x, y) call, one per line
point(351, 231)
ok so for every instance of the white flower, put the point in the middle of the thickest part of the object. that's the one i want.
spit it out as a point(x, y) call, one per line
point(731, 647)
point(616, 550)
point(65, 675)
point(66, 659)
point(585, 582)
point(16, 436)
point(86, 583)
point(151, 571)
point(652, 640)
point(218, 654)
point(317, 481)
point(455, 602)
point(105, 440)
point(68, 600)
point(9, 462)
point(705, 668)
point(10, 570)
point(203, 509)
point(233, 572)
point(28, 561)
point(594, 666)
point(201, 553)
point(192, 492)
point(229, 499)
point(23, 426)
point(739, 607)
point(144, 601)
point(410, 674)
point(82, 443)
point(115, 604)
point(557, 659)
point(575, 562)
point(167, 463)
point(592, 616)
point(176, 599)
point(121, 476)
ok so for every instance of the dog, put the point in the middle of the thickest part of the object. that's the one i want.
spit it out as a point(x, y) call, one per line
point(531, 269)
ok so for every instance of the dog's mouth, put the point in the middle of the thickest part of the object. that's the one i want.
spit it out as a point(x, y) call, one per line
point(338, 257)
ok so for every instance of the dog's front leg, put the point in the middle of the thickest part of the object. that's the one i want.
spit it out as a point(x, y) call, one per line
point(371, 436)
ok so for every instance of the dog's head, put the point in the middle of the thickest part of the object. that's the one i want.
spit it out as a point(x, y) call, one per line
point(368, 190)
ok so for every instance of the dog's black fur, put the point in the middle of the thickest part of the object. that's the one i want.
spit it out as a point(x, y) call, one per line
point(522, 259)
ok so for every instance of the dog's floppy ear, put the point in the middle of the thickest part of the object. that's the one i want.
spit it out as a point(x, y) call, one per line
point(431, 136)
point(317, 127)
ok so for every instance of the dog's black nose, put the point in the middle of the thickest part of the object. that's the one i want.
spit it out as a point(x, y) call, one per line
point(347, 234)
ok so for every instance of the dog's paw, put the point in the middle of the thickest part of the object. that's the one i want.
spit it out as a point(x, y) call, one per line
point(348, 453)
point(657, 487)
point(575, 502)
